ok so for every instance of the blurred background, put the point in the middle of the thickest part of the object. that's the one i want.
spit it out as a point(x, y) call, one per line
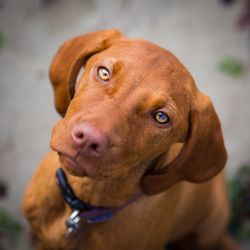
point(212, 38)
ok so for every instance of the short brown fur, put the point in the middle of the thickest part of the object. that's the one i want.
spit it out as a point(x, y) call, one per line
point(177, 167)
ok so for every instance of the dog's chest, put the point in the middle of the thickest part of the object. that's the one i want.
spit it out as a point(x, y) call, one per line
point(141, 225)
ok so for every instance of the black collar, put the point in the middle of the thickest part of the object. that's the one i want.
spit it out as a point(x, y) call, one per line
point(68, 194)
point(81, 209)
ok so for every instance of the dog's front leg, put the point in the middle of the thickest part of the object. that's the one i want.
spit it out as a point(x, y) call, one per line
point(44, 207)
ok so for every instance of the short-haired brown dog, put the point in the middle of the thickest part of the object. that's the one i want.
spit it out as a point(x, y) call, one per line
point(133, 122)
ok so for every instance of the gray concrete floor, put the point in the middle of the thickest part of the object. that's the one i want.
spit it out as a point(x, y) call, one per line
point(199, 32)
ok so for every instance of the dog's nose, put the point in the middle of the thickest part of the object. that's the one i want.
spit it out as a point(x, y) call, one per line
point(92, 141)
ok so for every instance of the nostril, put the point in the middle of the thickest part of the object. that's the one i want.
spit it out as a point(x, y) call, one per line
point(95, 146)
point(79, 134)
point(94, 149)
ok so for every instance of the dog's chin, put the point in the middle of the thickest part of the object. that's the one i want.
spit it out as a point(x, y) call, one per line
point(71, 166)
point(86, 170)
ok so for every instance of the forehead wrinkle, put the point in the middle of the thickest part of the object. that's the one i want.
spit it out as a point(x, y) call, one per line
point(118, 67)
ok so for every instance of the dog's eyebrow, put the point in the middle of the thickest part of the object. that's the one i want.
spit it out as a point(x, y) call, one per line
point(159, 102)
point(117, 67)
point(150, 103)
point(113, 64)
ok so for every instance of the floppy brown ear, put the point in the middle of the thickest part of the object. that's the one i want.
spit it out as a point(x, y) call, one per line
point(69, 59)
point(202, 157)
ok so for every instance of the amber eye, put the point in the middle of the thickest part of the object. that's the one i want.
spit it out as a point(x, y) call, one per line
point(103, 73)
point(161, 117)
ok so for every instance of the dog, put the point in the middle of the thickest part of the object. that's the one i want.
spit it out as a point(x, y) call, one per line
point(137, 138)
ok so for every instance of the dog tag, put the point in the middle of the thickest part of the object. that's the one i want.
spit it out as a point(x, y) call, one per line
point(73, 222)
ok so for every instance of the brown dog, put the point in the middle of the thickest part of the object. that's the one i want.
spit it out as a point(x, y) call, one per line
point(134, 121)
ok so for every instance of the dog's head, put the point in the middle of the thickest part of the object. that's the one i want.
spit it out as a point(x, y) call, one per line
point(132, 102)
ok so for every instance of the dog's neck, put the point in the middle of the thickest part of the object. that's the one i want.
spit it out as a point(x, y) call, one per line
point(108, 193)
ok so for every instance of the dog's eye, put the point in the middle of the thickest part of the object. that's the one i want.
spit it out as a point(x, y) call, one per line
point(161, 117)
point(103, 73)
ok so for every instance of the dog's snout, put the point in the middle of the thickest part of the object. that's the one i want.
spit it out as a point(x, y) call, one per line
point(91, 141)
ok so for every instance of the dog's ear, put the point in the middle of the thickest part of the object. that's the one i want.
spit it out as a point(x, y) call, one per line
point(202, 157)
point(69, 59)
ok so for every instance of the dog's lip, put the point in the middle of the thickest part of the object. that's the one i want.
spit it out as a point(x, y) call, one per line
point(71, 164)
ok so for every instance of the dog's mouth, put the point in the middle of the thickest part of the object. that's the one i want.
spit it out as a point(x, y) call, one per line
point(89, 169)
point(71, 165)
